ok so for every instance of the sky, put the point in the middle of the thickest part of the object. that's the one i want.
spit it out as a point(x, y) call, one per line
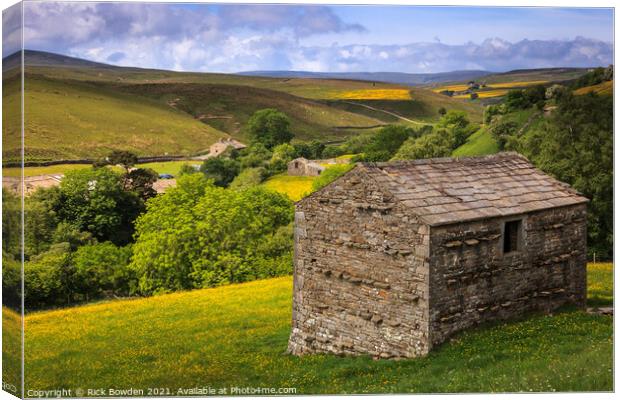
point(235, 38)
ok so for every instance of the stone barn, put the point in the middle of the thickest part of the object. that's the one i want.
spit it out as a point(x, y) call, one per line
point(304, 167)
point(393, 258)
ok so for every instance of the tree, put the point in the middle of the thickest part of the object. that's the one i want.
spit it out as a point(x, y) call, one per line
point(269, 127)
point(473, 96)
point(221, 170)
point(93, 200)
point(48, 278)
point(192, 240)
point(256, 155)
point(575, 144)
point(187, 169)
point(248, 178)
point(125, 159)
point(501, 130)
point(140, 181)
point(435, 144)
point(456, 124)
point(515, 100)
point(11, 282)
point(282, 155)
point(11, 223)
point(101, 268)
point(442, 111)
point(386, 142)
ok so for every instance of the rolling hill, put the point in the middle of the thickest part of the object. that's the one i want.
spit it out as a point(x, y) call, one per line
point(228, 107)
point(387, 77)
point(236, 336)
point(155, 112)
point(71, 120)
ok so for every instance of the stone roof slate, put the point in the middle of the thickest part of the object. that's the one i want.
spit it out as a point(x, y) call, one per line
point(448, 190)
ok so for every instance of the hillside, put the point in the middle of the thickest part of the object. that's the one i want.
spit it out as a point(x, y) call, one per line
point(154, 112)
point(401, 78)
point(602, 89)
point(237, 335)
point(69, 119)
point(537, 74)
point(228, 107)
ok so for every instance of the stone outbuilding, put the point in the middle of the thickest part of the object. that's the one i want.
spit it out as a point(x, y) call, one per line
point(304, 167)
point(393, 258)
point(223, 144)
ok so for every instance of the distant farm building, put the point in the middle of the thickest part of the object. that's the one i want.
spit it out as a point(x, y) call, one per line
point(31, 183)
point(222, 145)
point(391, 259)
point(303, 167)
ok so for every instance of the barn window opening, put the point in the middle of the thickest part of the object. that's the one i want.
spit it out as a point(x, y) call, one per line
point(511, 236)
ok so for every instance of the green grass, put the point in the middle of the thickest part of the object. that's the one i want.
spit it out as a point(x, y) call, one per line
point(479, 144)
point(228, 108)
point(237, 335)
point(600, 284)
point(295, 187)
point(70, 120)
point(222, 102)
point(11, 355)
point(167, 167)
point(164, 167)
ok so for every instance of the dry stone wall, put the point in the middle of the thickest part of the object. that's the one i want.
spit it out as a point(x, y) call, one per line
point(361, 273)
point(472, 281)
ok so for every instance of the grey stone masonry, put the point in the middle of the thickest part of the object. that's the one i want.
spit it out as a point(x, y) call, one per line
point(391, 259)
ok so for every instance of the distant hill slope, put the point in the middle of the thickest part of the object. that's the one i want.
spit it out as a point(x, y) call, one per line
point(538, 74)
point(71, 120)
point(43, 58)
point(157, 112)
point(228, 107)
point(387, 77)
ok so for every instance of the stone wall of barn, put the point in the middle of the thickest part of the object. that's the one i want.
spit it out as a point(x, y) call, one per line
point(472, 281)
point(361, 274)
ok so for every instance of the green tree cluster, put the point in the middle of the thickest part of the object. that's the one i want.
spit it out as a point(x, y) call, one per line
point(451, 131)
point(200, 235)
point(269, 127)
point(575, 144)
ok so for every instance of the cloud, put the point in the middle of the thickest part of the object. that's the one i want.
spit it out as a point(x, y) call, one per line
point(232, 38)
point(11, 30)
point(62, 25)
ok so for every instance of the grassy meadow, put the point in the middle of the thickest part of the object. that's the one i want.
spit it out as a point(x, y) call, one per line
point(480, 143)
point(69, 120)
point(164, 112)
point(236, 335)
point(295, 187)
point(163, 167)
point(602, 89)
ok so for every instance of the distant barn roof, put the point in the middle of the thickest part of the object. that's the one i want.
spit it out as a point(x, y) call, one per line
point(449, 190)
